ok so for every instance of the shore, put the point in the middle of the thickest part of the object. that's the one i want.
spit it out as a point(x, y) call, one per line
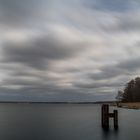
point(132, 105)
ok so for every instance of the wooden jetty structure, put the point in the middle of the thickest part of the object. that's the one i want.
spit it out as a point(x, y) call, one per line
point(105, 115)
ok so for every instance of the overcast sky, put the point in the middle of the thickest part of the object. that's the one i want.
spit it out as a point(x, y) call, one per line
point(68, 50)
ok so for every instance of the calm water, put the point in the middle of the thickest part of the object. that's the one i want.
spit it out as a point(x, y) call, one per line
point(64, 122)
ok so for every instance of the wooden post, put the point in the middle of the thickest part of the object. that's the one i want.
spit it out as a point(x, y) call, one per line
point(105, 118)
point(115, 119)
point(106, 115)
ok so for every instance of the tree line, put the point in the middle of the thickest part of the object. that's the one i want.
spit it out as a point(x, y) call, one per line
point(131, 92)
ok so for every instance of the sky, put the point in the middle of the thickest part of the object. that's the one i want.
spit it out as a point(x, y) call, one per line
point(68, 50)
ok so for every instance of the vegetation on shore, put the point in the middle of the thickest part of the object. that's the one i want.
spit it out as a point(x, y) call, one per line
point(131, 92)
point(130, 96)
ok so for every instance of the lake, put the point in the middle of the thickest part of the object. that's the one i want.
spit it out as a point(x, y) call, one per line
point(64, 122)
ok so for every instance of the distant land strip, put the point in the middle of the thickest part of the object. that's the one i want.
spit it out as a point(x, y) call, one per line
point(33, 102)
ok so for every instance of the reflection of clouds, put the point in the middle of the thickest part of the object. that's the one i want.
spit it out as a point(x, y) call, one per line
point(67, 50)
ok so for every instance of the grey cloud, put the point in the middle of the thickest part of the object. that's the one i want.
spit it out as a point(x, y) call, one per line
point(45, 94)
point(123, 23)
point(38, 52)
point(22, 81)
point(125, 67)
point(126, 23)
point(104, 19)
point(99, 84)
point(94, 85)
point(113, 6)
point(18, 13)
point(111, 76)
point(106, 73)
point(130, 65)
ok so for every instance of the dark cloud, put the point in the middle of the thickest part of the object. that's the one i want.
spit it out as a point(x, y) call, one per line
point(38, 52)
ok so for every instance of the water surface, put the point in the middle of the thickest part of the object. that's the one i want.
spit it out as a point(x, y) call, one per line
point(64, 122)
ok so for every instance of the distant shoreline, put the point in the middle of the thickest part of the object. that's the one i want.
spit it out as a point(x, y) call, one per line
point(30, 102)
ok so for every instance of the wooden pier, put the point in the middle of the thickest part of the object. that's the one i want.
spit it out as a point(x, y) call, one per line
point(106, 115)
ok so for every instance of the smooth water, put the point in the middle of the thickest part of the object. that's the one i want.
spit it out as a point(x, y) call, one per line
point(64, 122)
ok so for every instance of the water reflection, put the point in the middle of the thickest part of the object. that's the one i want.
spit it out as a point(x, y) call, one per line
point(109, 134)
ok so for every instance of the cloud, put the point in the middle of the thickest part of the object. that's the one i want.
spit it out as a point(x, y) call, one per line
point(111, 76)
point(38, 51)
point(17, 14)
point(63, 50)
point(130, 65)
point(113, 6)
